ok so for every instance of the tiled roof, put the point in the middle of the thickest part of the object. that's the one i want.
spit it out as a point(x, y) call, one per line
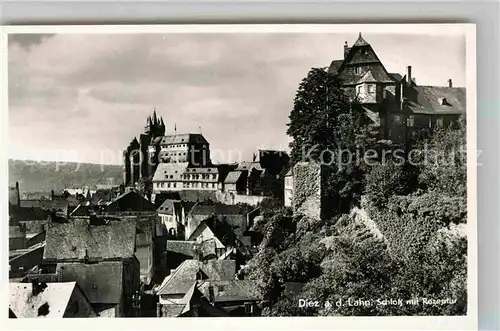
point(28, 214)
point(231, 290)
point(170, 171)
point(202, 170)
point(396, 76)
point(45, 204)
point(428, 99)
point(167, 207)
point(25, 305)
point(360, 41)
point(191, 138)
point(100, 282)
point(233, 177)
point(183, 277)
point(132, 201)
point(349, 77)
point(76, 239)
point(335, 66)
point(181, 246)
point(221, 230)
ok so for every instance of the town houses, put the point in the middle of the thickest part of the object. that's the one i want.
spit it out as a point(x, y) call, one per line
point(172, 238)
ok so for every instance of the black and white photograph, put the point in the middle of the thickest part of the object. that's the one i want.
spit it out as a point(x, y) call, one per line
point(235, 172)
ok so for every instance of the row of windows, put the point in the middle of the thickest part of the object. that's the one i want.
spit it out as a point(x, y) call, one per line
point(197, 176)
point(178, 145)
point(199, 185)
point(410, 121)
point(370, 88)
point(186, 185)
point(168, 185)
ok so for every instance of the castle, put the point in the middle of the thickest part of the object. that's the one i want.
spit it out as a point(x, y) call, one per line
point(397, 107)
point(169, 162)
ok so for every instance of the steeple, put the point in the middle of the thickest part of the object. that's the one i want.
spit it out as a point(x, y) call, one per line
point(360, 41)
point(155, 119)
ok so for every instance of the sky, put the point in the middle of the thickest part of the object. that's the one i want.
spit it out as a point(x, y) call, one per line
point(84, 97)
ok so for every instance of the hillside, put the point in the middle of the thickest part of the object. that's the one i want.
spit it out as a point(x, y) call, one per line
point(45, 176)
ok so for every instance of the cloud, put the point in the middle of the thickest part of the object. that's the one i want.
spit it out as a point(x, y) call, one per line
point(89, 92)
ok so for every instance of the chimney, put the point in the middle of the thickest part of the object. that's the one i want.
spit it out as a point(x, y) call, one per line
point(346, 49)
point(408, 75)
point(450, 83)
point(18, 195)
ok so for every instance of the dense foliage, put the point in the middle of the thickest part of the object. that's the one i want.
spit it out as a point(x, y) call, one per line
point(330, 128)
point(408, 258)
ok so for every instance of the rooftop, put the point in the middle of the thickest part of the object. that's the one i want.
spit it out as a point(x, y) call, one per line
point(77, 240)
point(183, 277)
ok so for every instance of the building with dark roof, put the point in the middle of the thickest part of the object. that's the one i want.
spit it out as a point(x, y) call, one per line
point(234, 215)
point(236, 297)
point(395, 105)
point(178, 283)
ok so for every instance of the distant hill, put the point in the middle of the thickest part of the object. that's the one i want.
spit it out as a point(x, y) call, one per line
point(36, 176)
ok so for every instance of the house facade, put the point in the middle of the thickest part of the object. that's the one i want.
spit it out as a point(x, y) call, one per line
point(396, 105)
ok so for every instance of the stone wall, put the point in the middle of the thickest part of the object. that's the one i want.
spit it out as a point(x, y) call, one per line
point(307, 189)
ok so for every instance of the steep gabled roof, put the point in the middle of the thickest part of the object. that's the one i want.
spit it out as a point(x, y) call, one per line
point(361, 53)
point(130, 201)
point(335, 66)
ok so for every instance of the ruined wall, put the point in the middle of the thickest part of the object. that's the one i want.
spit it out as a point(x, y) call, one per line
point(307, 189)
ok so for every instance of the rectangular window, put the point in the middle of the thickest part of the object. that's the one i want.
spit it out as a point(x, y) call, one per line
point(175, 184)
point(358, 89)
point(370, 88)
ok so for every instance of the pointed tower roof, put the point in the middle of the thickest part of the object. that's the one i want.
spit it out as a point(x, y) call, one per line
point(360, 41)
point(161, 121)
point(155, 118)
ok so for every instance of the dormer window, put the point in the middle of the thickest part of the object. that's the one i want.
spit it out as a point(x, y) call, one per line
point(444, 102)
point(357, 70)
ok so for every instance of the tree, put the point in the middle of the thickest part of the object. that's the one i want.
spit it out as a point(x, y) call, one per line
point(443, 161)
point(329, 127)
